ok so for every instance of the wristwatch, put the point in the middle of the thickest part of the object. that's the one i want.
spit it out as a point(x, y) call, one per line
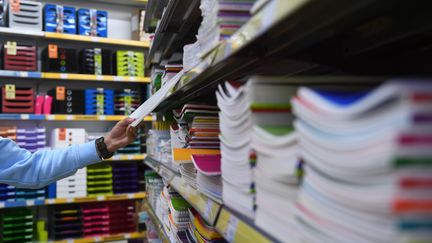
point(102, 149)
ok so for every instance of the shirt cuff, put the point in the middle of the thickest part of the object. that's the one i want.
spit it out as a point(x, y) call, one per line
point(87, 154)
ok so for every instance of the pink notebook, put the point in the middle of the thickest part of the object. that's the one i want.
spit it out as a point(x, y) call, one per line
point(207, 164)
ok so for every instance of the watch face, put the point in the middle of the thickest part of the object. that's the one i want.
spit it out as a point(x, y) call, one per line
point(102, 148)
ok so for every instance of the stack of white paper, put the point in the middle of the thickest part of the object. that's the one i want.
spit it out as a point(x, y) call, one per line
point(367, 154)
point(191, 56)
point(189, 173)
point(276, 176)
point(235, 127)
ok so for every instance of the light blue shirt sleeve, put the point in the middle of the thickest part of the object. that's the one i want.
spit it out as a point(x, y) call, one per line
point(21, 168)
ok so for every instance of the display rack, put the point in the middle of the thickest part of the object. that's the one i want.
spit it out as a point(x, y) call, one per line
point(41, 202)
point(106, 238)
point(232, 226)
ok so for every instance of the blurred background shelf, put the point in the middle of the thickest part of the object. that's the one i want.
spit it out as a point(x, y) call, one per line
point(106, 238)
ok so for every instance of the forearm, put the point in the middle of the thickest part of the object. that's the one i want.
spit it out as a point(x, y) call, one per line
point(24, 169)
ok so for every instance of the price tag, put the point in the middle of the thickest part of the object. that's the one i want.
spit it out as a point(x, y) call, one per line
point(23, 74)
point(118, 78)
point(30, 203)
point(94, 39)
point(62, 134)
point(99, 77)
point(63, 75)
point(100, 198)
point(60, 93)
point(2, 204)
point(69, 117)
point(98, 239)
point(52, 51)
point(130, 195)
point(102, 117)
point(15, 6)
point(10, 91)
point(231, 228)
point(25, 116)
point(50, 201)
point(50, 117)
point(132, 78)
point(11, 48)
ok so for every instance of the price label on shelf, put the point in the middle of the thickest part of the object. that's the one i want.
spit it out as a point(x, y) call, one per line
point(25, 116)
point(99, 77)
point(11, 48)
point(30, 203)
point(63, 75)
point(94, 39)
point(52, 51)
point(23, 74)
point(10, 91)
point(15, 6)
point(231, 228)
point(118, 78)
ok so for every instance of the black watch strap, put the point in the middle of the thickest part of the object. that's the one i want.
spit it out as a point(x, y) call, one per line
point(102, 149)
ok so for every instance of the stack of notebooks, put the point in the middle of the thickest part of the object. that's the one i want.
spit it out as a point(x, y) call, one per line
point(125, 178)
point(170, 71)
point(199, 231)
point(17, 225)
point(189, 174)
point(154, 187)
point(158, 142)
point(235, 128)
point(178, 216)
point(99, 179)
point(367, 163)
point(31, 139)
point(65, 222)
point(221, 19)
point(191, 56)
point(126, 101)
point(208, 178)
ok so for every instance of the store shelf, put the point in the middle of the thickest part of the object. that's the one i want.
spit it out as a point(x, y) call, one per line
point(161, 230)
point(99, 40)
point(88, 77)
point(234, 227)
point(65, 117)
point(4, 31)
point(73, 76)
point(177, 27)
point(40, 202)
point(105, 238)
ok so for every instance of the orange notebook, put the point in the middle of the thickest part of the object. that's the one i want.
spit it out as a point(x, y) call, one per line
point(184, 155)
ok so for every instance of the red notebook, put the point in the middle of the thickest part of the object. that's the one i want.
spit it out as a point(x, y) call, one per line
point(207, 164)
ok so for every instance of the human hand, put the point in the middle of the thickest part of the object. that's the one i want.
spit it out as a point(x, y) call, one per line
point(121, 135)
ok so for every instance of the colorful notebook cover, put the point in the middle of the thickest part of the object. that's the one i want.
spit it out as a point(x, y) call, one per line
point(207, 164)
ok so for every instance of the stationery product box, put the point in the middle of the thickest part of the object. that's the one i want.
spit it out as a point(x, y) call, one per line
point(92, 22)
point(58, 59)
point(130, 63)
point(58, 18)
point(65, 222)
point(126, 101)
point(95, 61)
point(65, 137)
point(99, 101)
point(17, 225)
point(19, 57)
point(31, 139)
point(99, 179)
point(28, 15)
point(67, 101)
point(125, 178)
point(17, 99)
